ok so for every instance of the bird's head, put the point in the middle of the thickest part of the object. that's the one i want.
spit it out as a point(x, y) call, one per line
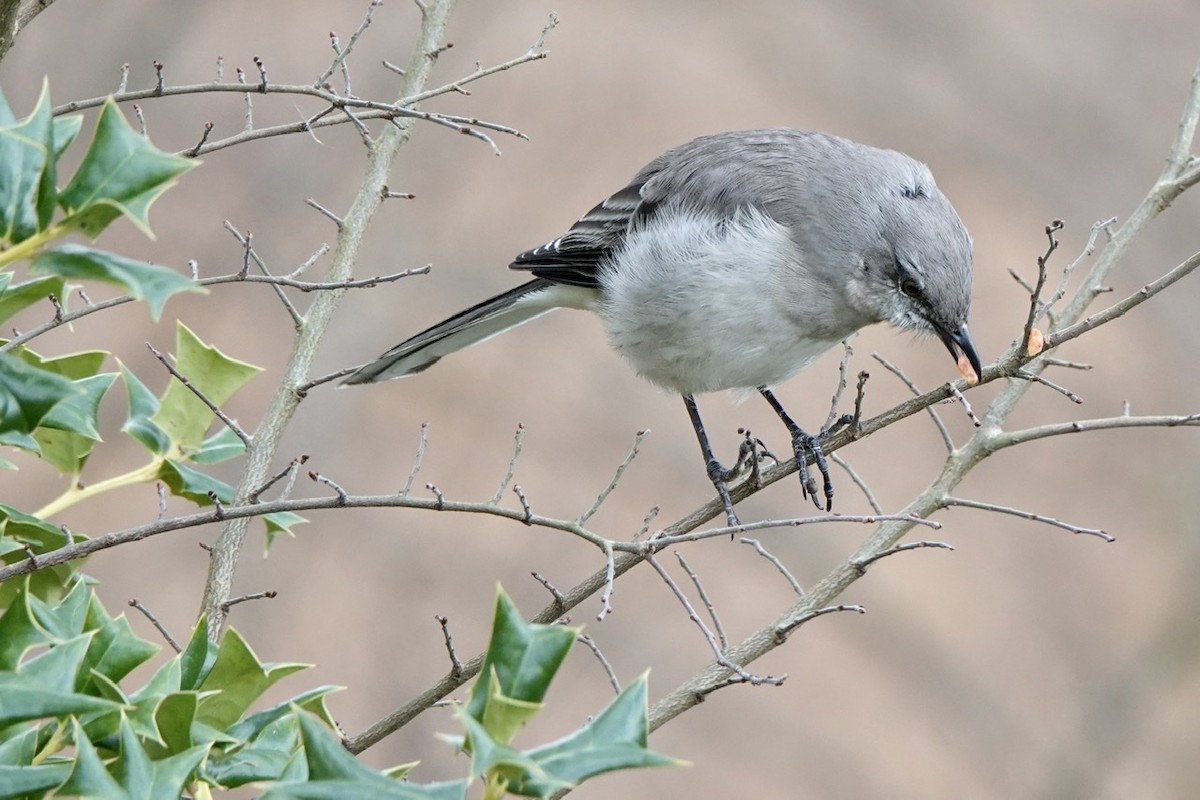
point(918, 276)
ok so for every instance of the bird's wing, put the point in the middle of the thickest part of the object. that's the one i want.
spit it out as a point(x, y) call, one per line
point(575, 257)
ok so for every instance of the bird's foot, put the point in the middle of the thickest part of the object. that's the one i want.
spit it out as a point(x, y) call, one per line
point(751, 453)
point(804, 446)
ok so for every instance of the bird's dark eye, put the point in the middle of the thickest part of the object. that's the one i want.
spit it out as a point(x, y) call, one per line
point(910, 287)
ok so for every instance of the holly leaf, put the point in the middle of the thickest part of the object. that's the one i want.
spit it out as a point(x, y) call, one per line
point(122, 174)
point(142, 281)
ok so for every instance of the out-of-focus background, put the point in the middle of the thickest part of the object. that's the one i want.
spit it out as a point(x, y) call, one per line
point(1027, 663)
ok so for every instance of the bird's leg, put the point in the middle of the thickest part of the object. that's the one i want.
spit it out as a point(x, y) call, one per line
point(805, 445)
point(716, 473)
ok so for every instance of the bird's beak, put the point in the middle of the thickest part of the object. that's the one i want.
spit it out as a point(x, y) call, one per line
point(959, 343)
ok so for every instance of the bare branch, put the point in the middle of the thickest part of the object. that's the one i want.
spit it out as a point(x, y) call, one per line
point(769, 556)
point(937, 421)
point(708, 606)
point(518, 438)
point(422, 444)
point(456, 666)
point(154, 621)
point(221, 415)
point(901, 548)
point(340, 59)
point(1029, 515)
point(247, 597)
point(616, 478)
point(587, 641)
point(718, 651)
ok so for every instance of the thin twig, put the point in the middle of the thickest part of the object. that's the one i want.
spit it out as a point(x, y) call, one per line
point(422, 444)
point(858, 481)
point(708, 605)
point(154, 621)
point(738, 669)
point(456, 667)
point(862, 565)
point(518, 438)
point(340, 60)
point(221, 415)
point(230, 603)
point(341, 493)
point(616, 478)
point(912, 387)
point(782, 632)
point(551, 588)
point(1035, 378)
point(289, 470)
point(610, 577)
point(958, 395)
point(586, 640)
point(1029, 515)
point(656, 543)
point(769, 556)
point(843, 370)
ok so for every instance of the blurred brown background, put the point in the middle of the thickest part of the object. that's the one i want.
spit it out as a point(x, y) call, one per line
point(1027, 663)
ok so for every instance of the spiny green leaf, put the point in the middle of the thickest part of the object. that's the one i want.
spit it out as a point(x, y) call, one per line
point(148, 282)
point(524, 658)
point(68, 434)
point(236, 680)
point(27, 394)
point(143, 405)
point(27, 175)
point(495, 759)
point(615, 739)
point(334, 774)
point(18, 530)
point(30, 781)
point(116, 650)
point(183, 481)
point(198, 657)
point(88, 776)
point(18, 630)
point(23, 698)
point(58, 669)
point(183, 415)
point(14, 299)
point(221, 446)
point(122, 173)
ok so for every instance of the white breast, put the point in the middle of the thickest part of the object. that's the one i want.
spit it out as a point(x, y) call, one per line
point(697, 304)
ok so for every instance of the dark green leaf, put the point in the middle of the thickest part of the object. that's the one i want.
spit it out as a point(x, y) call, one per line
point(22, 698)
point(27, 394)
point(18, 630)
point(615, 739)
point(27, 174)
point(523, 657)
point(334, 774)
point(116, 650)
point(198, 657)
point(183, 481)
point(14, 299)
point(143, 405)
point(148, 282)
point(18, 530)
point(236, 680)
point(221, 446)
point(122, 173)
point(21, 782)
point(88, 776)
point(65, 131)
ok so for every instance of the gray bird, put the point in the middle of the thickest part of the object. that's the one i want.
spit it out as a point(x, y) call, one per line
point(733, 262)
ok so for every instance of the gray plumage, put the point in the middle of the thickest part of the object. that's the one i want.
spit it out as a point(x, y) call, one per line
point(735, 260)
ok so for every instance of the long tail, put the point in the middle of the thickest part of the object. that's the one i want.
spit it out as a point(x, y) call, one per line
point(469, 327)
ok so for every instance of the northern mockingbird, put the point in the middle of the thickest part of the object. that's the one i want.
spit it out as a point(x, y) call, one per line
point(734, 261)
